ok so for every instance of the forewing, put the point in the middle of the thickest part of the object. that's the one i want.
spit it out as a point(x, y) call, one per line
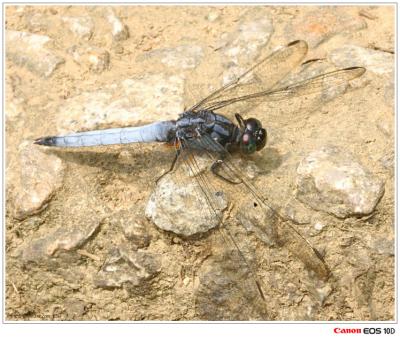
point(315, 85)
point(263, 76)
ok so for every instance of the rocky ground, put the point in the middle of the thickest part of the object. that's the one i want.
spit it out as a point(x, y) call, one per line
point(89, 234)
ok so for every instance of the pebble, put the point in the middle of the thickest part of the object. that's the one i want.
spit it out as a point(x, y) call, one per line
point(119, 31)
point(331, 180)
point(40, 176)
point(179, 207)
point(126, 267)
point(81, 26)
point(93, 58)
point(48, 248)
point(134, 228)
point(28, 50)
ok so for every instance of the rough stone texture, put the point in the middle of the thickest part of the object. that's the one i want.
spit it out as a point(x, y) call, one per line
point(82, 27)
point(29, 50)
point(330, 180)
point(47, 249)
point(374, 60)
point(181, 58)
point(131, 102)
point(127, 267)
point(174, 206)
point(134, 229)
point(93, 58)
point(119, 31)
point(40, 176)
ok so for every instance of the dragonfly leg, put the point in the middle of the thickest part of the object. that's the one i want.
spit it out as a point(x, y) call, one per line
point(216, 166)
point(170, 169)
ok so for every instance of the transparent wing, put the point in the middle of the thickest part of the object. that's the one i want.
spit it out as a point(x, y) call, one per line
point(317, 84)
point(205, 206)
point(263, 76)
point(268, 223)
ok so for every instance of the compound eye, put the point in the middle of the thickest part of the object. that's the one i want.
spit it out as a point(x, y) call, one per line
point(253, 124)
point(261, 138)
point(248, 144)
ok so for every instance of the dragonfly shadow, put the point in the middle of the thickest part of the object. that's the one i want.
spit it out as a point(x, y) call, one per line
point(127, 162)
point(270, 159)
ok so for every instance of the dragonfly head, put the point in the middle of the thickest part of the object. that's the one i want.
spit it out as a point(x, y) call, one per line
point(253, 136)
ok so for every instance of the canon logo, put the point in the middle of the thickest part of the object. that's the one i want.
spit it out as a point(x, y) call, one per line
point(340, 330)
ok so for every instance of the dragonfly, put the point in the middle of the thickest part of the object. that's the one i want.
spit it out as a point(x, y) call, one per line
point(214, 127)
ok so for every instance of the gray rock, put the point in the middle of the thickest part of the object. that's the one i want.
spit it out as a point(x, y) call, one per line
point(93, 58)
point(374, 60)
point(119, 31)
point(28, 50)
point(332, 181)
point(40, 176)
point(179, 206)
point(182, 57)
point(130, 102)
point(126, 267)
point(244, 45)
point(55, 244)
point(81, 26)
point(134, 228)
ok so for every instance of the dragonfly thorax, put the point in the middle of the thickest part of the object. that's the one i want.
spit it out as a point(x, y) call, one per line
point(192, 126)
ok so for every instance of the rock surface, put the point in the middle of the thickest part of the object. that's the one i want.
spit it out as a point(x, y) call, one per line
point(40, 176)
point(82, 27)
point(127, 267)
point(28, 50)
point(244, 44)
point(95, 59)
point(119, 31)
point(331, 180)
point(179, 208)
point(51, 246)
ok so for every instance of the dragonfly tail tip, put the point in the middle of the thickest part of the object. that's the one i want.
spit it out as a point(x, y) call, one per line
point(46, 141)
